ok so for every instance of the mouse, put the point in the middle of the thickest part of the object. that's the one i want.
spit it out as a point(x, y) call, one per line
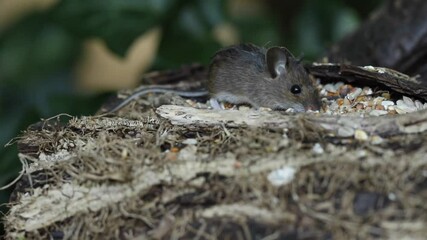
point(271, 78)
point(248, 74)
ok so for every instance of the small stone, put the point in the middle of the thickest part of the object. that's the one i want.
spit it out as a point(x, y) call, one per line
point(281, 176)
point(190, 141)
point(392, 196)
point(367, 91)
point(269, 109)
point(312, 111)
point(376, 140)
point(191, 102)
point(338, 85)
point(345, 132)
point(400, 110)
point(318, 149)
point(188, 153)
point(360, 135)
point(392, 112)
point(379, 107)
point(386, 104)
point(361, 153)
point(332, 94)
point(369, 68)
point(386, 95)
point(354, 93)
point(323, 92)
point(418, 105)
point(378, 100)
point(175, 149)
point(124, 153)
point(360, 106)
point(408, 101)
point(244, 108)
point(284, 142)
point(328, 112)
point(400, 103)
point(377, 113)
point(346, 102)
point(330, 87)
point(361, 98)
point(345, 89)
point(402, 107)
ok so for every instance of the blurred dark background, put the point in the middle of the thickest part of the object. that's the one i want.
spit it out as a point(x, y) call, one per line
point(68, 56)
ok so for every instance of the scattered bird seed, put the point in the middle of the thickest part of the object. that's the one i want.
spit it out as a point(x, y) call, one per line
point(341, 98)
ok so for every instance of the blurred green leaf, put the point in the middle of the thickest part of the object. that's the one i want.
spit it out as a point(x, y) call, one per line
point(117, 22)
point(212, 11)
point(34, 48)
point(346, 21)
point(312, 35)
point(189, 37)
point(260, 30)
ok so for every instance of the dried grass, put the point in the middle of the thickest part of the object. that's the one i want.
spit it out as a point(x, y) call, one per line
point(132, 176)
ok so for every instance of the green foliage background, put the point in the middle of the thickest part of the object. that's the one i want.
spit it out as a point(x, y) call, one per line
point(37, 54)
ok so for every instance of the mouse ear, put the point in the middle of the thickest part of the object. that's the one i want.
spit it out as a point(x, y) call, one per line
point(277, 59)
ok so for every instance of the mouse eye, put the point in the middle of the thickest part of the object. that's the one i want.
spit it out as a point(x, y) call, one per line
point(295, 89)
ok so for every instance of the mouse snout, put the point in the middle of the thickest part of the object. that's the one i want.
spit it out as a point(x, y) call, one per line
point(313, 105)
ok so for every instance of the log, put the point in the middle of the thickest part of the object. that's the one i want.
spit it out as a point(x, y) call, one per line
point(342, 126)
point(395, 36)
point(185, 171)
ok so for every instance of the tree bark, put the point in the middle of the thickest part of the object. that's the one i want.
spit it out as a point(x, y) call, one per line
point(395, 36)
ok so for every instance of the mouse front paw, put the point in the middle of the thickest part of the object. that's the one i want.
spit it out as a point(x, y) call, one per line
point(215, 104)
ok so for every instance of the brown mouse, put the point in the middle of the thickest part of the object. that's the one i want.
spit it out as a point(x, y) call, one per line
point(261, 77)
point(246, 73)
